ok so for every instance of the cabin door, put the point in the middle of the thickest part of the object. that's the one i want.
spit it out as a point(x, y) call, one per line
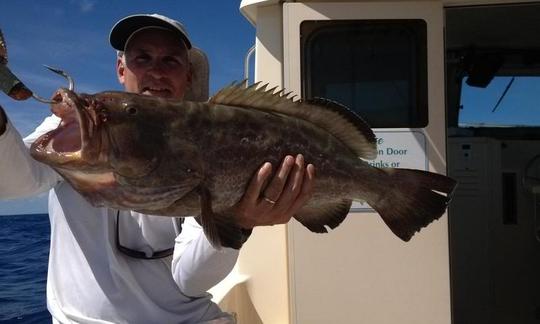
point(385, 61)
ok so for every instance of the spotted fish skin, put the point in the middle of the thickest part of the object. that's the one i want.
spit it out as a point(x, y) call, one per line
point(181, 158)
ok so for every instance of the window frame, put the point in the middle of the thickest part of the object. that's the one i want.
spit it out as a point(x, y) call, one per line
point(417, 117)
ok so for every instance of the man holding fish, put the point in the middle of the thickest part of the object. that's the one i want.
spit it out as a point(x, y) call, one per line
point(112, 266)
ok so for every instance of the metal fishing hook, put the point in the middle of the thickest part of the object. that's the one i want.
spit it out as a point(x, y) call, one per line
point(13, 87)
point(71, 85)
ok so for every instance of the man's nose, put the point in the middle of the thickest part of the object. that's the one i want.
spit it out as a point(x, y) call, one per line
point(157, 69)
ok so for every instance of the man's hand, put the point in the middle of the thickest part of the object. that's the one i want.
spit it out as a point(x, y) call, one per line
point(286, 193)
point(3, 121)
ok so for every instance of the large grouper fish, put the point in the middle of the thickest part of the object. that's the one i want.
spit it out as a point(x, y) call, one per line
point(181, 158)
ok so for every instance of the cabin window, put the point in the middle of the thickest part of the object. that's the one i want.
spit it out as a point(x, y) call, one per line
point(507, 101)
point(377, 68)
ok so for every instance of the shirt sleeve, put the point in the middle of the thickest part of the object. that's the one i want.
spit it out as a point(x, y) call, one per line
point(21, 175)
point(197, 266)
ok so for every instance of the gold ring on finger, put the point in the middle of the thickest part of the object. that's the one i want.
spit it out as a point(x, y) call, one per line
point(273, 202)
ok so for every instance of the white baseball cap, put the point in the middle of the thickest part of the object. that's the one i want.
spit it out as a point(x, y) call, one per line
point(126, 27)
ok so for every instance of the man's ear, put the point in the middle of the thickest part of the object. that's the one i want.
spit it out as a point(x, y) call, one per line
point(120, 69)
point(190, 75)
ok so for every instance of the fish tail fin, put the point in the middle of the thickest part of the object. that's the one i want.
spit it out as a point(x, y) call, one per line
point(414, 199)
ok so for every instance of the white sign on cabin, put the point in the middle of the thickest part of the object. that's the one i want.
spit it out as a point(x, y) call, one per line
point(398, 149)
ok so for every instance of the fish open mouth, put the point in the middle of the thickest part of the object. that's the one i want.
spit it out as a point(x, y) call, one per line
point(73, 142)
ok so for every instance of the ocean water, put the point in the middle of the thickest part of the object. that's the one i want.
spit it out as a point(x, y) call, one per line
point(24, 253)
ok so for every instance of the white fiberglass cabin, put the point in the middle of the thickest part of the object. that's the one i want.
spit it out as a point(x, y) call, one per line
point(448, 86)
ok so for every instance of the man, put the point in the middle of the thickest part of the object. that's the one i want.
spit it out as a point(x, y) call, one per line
point(110, 266)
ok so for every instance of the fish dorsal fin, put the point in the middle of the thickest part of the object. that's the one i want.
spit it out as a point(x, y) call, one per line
point(331, 116)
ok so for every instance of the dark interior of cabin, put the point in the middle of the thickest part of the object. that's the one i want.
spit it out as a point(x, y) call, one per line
point(493, 115)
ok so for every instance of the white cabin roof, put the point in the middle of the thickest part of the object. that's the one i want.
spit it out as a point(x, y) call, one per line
point(249, 7)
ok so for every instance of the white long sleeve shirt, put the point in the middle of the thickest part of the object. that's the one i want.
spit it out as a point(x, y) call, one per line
point(89, 280)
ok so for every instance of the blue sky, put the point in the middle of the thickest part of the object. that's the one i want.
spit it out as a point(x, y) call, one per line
point(518, 107)
point(73, 35)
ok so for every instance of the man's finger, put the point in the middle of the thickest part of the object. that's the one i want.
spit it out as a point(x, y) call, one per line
point(298, 177)
point(274, 189)
point(308, 185)
point(294, 183)
point(256, 184)
point(3, 121)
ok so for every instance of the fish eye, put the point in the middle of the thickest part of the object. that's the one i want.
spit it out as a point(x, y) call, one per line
point(131, 110)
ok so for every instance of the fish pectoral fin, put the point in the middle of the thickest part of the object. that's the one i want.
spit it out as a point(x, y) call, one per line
point(219, 228)
point(230, 235)
point(331, 214)
point(207, 218)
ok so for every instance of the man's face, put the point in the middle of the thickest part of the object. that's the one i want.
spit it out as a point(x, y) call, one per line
point(155, 63)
